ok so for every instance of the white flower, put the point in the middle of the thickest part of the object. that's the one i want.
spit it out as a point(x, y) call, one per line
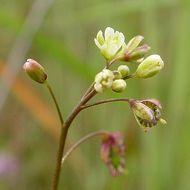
point(112, 44)
point(103, 80)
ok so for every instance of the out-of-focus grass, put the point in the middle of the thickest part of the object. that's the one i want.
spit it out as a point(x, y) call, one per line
point(64, 45)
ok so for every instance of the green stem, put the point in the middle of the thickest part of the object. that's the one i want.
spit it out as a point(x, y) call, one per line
point(68, 153)
point(55, 102)
point(105, 101)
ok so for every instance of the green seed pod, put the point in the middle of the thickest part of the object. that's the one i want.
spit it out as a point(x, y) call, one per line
point(149, 67)
point(147, 112)
point(35, 71)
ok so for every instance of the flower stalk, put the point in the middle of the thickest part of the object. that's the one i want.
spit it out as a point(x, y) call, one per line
point(147, 112)
point(69, 152)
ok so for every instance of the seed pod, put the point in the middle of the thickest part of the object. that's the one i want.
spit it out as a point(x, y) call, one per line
point(147, 112)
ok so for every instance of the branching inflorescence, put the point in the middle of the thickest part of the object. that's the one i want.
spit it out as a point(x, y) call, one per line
point(146, 111)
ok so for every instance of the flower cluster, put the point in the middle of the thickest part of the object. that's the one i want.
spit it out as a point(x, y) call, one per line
point(111, 79)
point(114, 47)
point(147, 112)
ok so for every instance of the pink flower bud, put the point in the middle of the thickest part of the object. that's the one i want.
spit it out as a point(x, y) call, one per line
point(35, 71)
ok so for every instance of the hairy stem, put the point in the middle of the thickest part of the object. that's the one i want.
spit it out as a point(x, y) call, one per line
point(68, 153)
point(105, 101)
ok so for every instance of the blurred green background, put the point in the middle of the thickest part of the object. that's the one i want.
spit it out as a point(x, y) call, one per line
point(63, 44)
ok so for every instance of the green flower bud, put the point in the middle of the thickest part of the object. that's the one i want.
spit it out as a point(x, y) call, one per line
point(124, 70)
point(35, 71)
point(119, 85)
point(138, 53)
point(149, 67)
point(134, 43)
point(135, 50)
point(147, 112)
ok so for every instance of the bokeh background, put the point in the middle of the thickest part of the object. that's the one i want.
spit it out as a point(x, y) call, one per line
point(59, 34)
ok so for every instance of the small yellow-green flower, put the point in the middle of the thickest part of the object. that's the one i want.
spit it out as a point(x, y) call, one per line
point(112, 44)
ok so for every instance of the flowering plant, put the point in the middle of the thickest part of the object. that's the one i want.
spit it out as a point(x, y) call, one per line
point(147, 112)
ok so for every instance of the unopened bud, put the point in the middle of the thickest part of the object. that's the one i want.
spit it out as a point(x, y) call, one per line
point(119, 85)
point(134, 43)
point(35, 71)
point(149, 67)
point(135, 50)
point(124, 70)
point(139, 53)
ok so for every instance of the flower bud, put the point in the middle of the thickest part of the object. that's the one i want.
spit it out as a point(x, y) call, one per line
point(103, 80)
point(149, 67)
point(124, 70)
point(138, 53)
point(134, 43)
point(135, 50)
point(147, 112)
point(113, 153)
point(119, 85)
point(35, 71)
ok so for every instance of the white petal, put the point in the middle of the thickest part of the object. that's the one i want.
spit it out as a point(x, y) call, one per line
point(112, 50)
point(109, 32)
point(100, 38)
point(98, 77)
point(98, 87)
point(121, 39)
point(97, 43)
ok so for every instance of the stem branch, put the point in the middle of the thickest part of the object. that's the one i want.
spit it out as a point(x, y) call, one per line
point(64, 131)
point(68, 153)
point(105, 101)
